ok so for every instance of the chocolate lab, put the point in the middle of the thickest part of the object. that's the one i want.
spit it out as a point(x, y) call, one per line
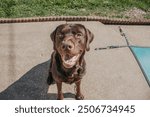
point(70, 42)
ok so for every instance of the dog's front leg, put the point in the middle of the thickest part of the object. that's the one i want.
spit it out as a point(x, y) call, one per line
point(79, 95)
point(59, 89)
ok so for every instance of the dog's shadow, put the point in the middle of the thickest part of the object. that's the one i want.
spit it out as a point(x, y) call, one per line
point(32, 86)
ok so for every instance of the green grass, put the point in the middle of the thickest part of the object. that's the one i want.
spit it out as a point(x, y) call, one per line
point(30, 8)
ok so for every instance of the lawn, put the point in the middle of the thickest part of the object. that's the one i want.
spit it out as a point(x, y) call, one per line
point(109, 8)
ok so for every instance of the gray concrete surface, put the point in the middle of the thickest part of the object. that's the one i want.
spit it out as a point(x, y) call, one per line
point(25, 51)
point(138, 35)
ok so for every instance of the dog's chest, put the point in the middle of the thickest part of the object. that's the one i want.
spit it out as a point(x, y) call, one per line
point(71, 76)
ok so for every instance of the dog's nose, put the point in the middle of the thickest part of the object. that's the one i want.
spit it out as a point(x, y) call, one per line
point(67, 45)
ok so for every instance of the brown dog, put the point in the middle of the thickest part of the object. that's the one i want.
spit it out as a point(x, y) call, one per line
point(70, 41)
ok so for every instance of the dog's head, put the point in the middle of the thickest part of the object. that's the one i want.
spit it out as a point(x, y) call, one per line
point(71, 41)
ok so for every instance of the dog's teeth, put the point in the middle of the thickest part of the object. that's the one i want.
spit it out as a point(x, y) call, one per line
point(72, 60)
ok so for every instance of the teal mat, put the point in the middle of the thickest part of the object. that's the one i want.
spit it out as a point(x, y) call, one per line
point(143, 57)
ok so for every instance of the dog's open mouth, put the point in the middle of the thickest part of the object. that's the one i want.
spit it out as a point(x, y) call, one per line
point(69, 60)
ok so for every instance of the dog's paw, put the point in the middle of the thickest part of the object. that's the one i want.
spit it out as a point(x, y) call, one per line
point(60, 97)
point(79, 97)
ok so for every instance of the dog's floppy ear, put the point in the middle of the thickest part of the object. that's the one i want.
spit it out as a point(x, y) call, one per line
point(53, 36)
point(89, 39)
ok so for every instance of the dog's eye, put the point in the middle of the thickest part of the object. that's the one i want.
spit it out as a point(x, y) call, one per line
point(60, 35)
point(79, 35)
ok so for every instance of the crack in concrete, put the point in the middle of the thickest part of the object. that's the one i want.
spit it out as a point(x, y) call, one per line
point(11, 55)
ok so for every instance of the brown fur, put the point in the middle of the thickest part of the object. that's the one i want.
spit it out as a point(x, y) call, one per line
point(70, 42)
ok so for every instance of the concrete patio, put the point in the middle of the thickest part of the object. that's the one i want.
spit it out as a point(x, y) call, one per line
point(25, 50)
